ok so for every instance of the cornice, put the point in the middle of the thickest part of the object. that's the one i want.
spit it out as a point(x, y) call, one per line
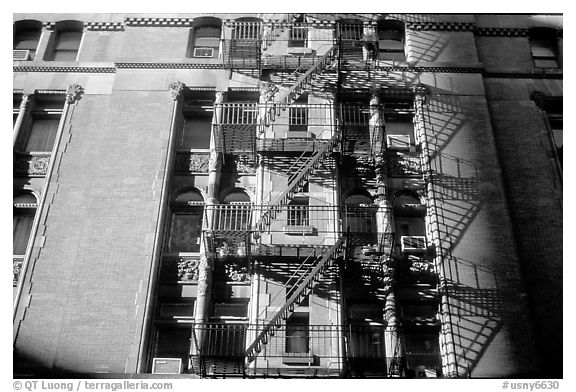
point(430, 69)
point(518, 75)
point(105, 26)
point(440, 26)
point(77, 69)
point(167, 66)
point(159, 22)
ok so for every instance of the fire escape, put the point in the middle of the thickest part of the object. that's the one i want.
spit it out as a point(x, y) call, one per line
point(253, 231)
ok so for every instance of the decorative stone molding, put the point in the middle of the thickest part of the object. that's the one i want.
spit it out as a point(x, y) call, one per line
point(74, 93)
point(169, 65)
point(440, 26)
point(236, 273)
point(33, 165)
point(159, 22)
point(17, 262)
point(500, 32)
point(175, 89)
point(191, 162)
point(105, 26)
point(404, 164)
point(408, 68)
point(188, 269)
point(204, 269)
point(214, 162)
point(36, 68)
point(552, 74)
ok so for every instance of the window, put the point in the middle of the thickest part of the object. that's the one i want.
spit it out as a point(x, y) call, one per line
point(186, 223)
point(236, 217)
point(24, 209)
point(298, 211)
point(26, 36)
point(297, 333)
point(197, 130)
point(544, 47)
point(366, 331)
point(298, 33)
point(390, 40)
point(553, 109)
point(42, 133)
point(37, 132)
point(399, 125)
point(361, 218)
point(173, 342)
point(247, 29)
point(205, 37)
point(66, 40)
point(423, 353)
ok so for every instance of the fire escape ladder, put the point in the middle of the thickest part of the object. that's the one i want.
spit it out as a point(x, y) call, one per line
point(298, 174)
point(302, 83)
point(302, 288)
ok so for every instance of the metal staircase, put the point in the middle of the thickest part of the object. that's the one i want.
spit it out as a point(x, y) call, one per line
point(298, 175)
point(306, 278)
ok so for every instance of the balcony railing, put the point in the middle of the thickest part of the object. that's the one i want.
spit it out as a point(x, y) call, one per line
point(274, 45)
point(293, 341)
point(239, 218)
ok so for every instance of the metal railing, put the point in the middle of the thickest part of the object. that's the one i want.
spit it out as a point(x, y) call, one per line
point(323, 341)
point(239, 218)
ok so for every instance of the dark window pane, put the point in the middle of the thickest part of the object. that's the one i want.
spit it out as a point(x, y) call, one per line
point(185, 233)
point(42, 134)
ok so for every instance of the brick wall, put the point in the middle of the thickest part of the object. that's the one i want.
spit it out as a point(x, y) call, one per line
point(88, 281)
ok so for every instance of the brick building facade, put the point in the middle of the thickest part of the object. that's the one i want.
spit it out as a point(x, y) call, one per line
point(296, 195)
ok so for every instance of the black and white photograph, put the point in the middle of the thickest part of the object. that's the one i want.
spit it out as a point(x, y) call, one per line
point(287, 195)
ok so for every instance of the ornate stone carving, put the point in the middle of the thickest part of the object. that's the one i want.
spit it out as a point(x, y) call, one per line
point(188, 269)
point(214, 162)
point(16, 268)
point(404, 164)
point(219, 97)
point(191, 163)
point(175, 89)
point(25, 101)
point(74, 93)
point(236, 273)
point(204, 270)
point(36, 165)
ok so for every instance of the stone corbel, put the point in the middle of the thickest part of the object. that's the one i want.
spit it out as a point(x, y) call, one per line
point(74, 93)
point(175, 89)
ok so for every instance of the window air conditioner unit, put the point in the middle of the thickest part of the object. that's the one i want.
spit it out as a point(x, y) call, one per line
point(20, 55)
point(413, 244)
point(167, 366)
point(398, 142)
point(203, 52)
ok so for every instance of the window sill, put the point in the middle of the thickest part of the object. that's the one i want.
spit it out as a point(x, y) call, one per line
point(298, 359)
point(299, 230)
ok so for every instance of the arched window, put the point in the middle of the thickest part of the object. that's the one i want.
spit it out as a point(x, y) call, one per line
point(186, 222)
point(205, 37)
point(247, 28)
point(26, 36)
point(24, 209)
point(236, 217)
point(391, 40)
point(65, 42)
point(544, 47)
